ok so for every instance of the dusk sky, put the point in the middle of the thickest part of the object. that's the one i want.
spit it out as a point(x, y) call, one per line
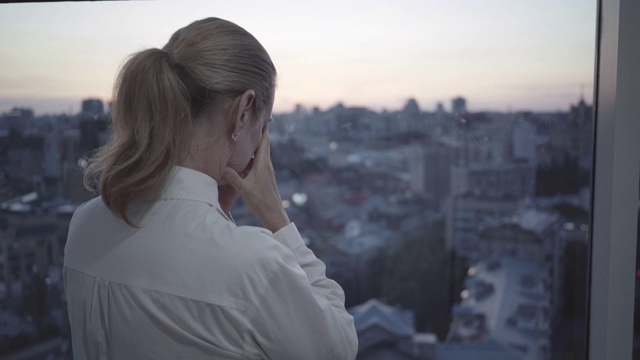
point(498, 54)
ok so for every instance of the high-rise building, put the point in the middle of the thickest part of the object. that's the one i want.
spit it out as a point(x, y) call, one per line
point(525, 141)
point(92, 107)
point(575, 135)
point(459, 105)
point(430, 169)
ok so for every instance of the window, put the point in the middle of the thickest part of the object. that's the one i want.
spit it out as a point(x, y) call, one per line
point(457, 225)
point(616, 183)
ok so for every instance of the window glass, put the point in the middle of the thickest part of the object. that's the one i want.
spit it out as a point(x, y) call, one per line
point(435, 156)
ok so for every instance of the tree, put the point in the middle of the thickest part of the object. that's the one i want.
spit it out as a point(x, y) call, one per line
point(417, 277)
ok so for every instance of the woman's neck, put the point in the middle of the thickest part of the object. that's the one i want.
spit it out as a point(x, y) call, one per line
point(209, 153)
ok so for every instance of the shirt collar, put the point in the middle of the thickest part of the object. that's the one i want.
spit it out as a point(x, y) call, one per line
point(188, 184)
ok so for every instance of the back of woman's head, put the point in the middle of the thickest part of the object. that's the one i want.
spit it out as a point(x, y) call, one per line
point(157, 96)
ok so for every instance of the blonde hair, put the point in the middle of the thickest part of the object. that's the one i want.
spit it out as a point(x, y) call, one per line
point(159, 93)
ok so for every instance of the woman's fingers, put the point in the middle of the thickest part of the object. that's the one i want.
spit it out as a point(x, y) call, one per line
point(247, 170)
point(264, 148)
point(227, 196)
point(231, 176)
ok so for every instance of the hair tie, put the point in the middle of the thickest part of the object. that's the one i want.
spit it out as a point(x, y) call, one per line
point(172, 59)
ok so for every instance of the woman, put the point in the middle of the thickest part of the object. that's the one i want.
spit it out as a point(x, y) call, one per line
point(155, 267)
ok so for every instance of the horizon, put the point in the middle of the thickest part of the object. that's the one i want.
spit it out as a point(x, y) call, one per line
point(74, 111)
point(54, 107)
point(527, 56)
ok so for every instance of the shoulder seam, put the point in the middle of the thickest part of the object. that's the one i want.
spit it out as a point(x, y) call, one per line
point(248, 307)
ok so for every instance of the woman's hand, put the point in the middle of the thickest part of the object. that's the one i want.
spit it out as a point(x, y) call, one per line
point(259, 190)
point(227, 194)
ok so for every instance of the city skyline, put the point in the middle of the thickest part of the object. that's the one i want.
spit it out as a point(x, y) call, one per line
point(536, 56)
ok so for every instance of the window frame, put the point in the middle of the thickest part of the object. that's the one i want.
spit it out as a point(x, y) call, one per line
point(615, 181)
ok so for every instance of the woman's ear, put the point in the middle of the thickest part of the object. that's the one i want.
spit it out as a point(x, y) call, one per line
point(244, 106)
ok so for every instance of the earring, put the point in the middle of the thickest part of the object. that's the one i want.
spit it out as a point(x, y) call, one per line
point(235, 136)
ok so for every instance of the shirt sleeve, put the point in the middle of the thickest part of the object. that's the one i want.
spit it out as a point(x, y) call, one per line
point(301, 315)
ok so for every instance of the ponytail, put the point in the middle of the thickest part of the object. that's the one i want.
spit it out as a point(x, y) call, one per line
point(150, 135)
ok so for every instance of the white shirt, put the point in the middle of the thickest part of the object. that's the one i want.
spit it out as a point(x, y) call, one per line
point(190, 284)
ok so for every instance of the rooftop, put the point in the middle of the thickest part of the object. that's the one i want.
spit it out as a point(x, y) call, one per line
point(376, 313)
point(505, 301)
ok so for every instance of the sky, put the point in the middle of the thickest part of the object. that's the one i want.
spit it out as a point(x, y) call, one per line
point(500, 55)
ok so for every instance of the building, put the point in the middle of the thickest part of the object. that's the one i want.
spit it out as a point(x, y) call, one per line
point(487, 181)
point(387, 332)
point(465, 216)
point(92, 107)
point(498, 180)
point(21, 161)
point(430, 166)
point(529, 235)
point(19, 119)
point(459, 105)
point(28, 243)
point(574, 136)
point(526, 140)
